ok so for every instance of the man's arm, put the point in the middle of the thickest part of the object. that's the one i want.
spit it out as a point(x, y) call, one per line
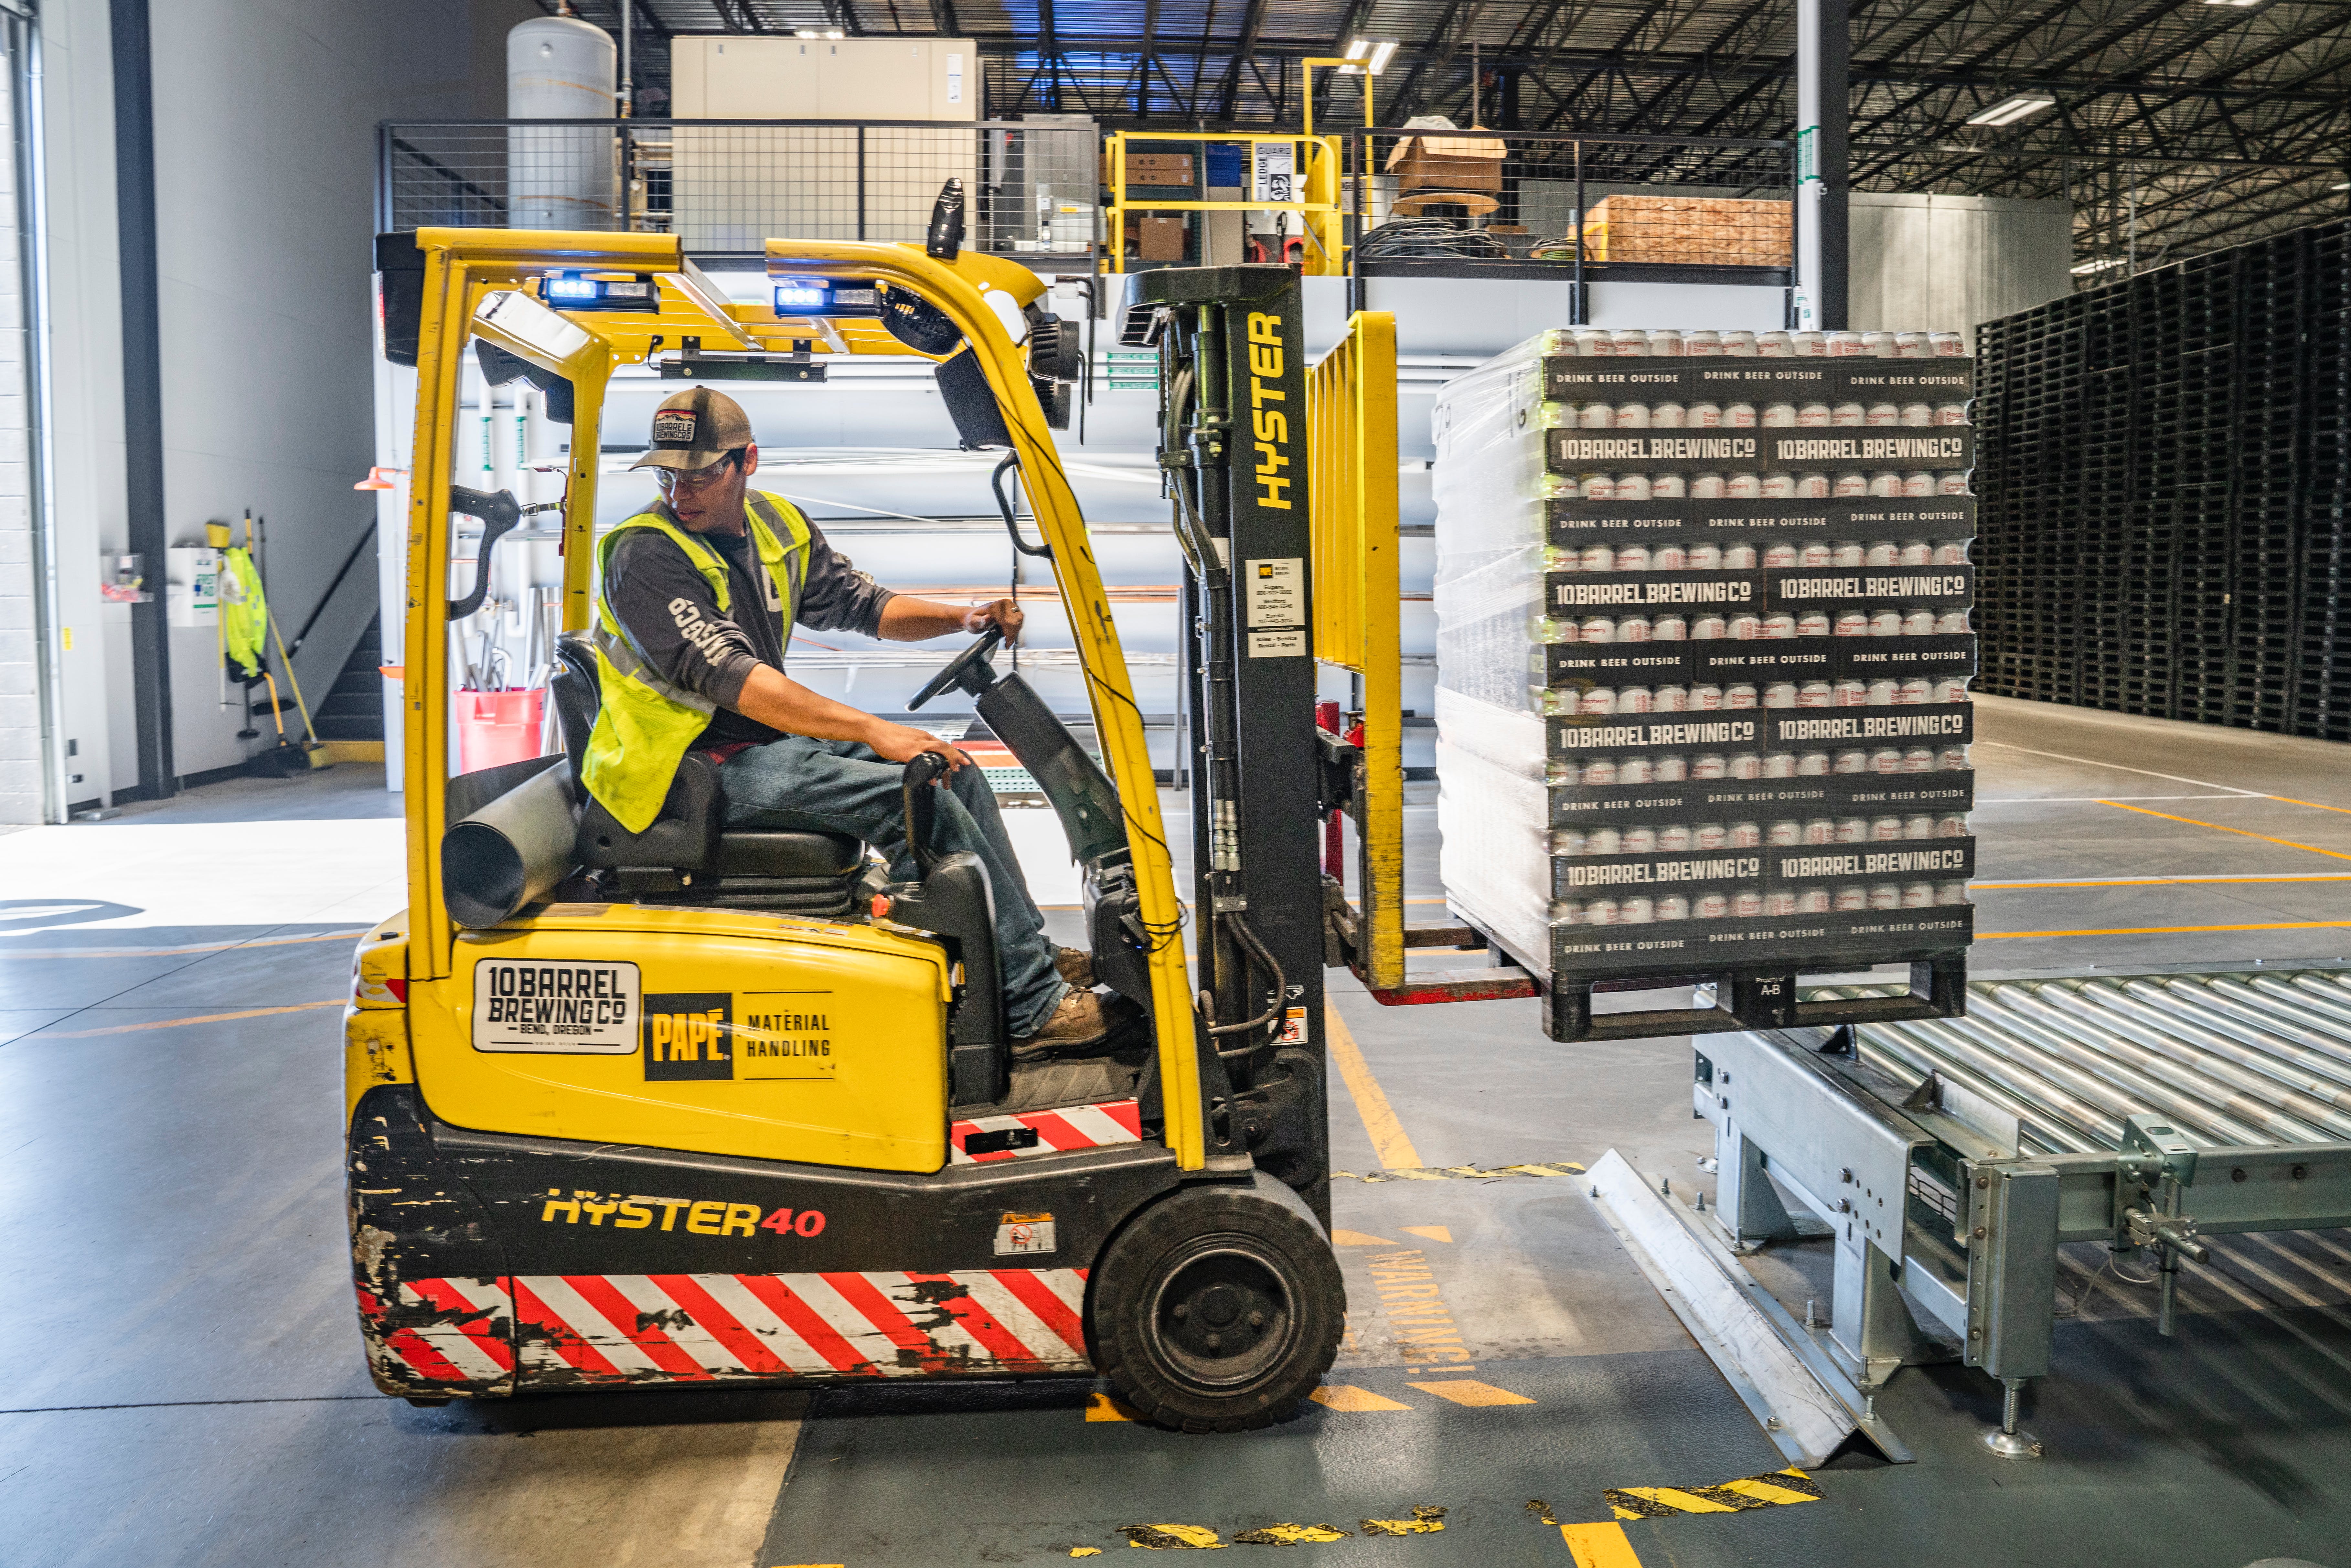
point(837, 597)
point(906, 619)
point(777, 700)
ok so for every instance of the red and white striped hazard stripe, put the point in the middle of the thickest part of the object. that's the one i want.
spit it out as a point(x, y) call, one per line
point(661, 1328)
point(1057, 1131)
point(466, 1342)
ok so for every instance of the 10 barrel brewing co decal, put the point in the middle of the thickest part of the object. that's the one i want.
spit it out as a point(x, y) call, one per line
point(573, 1008)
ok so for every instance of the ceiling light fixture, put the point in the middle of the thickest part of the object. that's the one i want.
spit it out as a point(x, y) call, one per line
point(805, 33)
point(2233, 2)
point(2008, 111)
point(1373, 54)
point(2345, 185)
point(2101, 265)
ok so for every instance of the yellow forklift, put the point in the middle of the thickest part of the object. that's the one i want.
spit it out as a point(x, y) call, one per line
point(705, 1104)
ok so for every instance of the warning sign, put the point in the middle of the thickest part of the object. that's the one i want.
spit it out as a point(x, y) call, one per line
point(1020, 1233)
point(565, 1009)
point(1294, 1026)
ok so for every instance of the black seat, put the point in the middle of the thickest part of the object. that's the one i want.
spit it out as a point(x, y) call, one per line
point(687, 853)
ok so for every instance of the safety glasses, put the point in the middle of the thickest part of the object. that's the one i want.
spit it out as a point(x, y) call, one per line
point(671, 480)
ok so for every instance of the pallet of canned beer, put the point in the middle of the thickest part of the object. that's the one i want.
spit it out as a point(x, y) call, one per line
point(1703, 656)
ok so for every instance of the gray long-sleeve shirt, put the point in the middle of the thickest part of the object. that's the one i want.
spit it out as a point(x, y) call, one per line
point(668, 611)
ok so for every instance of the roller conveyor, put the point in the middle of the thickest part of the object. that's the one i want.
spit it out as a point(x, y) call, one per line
point(1957, 1158)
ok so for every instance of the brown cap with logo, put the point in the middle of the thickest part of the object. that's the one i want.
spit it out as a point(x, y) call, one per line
point(694, 429)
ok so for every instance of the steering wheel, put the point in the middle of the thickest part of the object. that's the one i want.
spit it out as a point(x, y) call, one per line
point(959, 667)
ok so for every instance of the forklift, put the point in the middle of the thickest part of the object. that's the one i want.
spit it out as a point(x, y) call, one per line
point(707, 1104)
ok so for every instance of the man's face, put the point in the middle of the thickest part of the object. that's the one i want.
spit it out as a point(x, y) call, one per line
point(712, 503)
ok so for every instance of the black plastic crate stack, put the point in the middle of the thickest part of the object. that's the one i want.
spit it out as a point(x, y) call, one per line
point(1719, 734)
point(2162, 492)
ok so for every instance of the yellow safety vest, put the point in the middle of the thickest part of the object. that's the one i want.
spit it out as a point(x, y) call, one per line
point(244, 612)
point(645, 724)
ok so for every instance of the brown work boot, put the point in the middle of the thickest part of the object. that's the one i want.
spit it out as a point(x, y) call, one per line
point(1077, 1021)
point(1075, 966)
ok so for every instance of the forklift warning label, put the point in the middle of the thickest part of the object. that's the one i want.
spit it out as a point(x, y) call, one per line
point(1020, 1233)
point(538, 1004)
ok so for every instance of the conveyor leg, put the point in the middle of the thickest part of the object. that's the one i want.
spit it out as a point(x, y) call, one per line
point(1870, 1322)
point(1751, 1209)
point(2005, 1439)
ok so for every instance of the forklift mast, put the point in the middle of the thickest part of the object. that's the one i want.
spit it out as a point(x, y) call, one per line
point(1234, 456)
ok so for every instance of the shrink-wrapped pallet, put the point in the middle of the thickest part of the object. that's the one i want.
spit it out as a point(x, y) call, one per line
point(1703, 649)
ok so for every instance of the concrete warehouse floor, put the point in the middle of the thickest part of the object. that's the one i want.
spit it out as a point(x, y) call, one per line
point(181, 1383)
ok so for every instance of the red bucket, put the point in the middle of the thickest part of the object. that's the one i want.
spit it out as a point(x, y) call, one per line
point(496, 727)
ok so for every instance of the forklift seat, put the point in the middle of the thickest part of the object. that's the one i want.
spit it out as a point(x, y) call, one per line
point(688, 851)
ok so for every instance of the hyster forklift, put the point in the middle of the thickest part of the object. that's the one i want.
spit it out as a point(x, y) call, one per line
point(710, 1105)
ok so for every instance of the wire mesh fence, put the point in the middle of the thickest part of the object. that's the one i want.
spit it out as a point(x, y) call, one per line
point(726, 186)
point(1432, 194)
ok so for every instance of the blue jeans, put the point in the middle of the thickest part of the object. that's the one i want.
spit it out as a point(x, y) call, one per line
point(843, 787)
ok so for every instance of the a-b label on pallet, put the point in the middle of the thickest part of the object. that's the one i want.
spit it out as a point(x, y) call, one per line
point(568, 1008)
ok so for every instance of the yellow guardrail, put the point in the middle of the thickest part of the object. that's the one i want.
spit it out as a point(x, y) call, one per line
point(1315, 164)
point(1351, 403)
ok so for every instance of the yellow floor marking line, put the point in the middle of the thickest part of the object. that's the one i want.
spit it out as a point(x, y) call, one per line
point(2217, 828)
point(1357, 1238)
point(1339, 1397)
point(1387, 1134)
point(2167, 930)
point(2313, 805)
point(1172, 1537)
point(202, 1018)
point(1291, 1535)
point(1469, 1391)
point(1600, 1546)
point(1085, 1551)
point(1426, 1520)
point(1434, 1232)
point(1460, 1173)
point(1103, 1407)
point(1732, 1497)
point(350, 936)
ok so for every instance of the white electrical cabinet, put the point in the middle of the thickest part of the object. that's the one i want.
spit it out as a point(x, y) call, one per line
point(732, 187)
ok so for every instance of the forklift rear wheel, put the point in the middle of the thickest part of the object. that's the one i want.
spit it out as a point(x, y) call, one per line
point(427, 1401)
point(1217, 1310)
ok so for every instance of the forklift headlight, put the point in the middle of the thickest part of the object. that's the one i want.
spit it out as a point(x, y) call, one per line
point(571, 292)
point(802, 296)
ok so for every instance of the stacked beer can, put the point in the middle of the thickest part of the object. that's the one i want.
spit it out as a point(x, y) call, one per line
point(1703, 649)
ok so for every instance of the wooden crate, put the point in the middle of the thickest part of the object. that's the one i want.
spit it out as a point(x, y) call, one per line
point(1696, 231)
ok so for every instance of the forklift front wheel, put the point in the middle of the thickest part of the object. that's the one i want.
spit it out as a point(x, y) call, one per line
point(1219, 1310)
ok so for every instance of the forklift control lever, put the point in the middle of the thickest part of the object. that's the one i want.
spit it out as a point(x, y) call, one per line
point(499, 513)
point(922, 772)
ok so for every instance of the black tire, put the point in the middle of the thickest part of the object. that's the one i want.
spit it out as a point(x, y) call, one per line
point(1218, 1309)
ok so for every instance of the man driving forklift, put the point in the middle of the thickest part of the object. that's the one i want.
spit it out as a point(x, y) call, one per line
point(696, 601)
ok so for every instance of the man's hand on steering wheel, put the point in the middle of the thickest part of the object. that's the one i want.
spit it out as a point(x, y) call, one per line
point(1004, 614)
point(904, 743)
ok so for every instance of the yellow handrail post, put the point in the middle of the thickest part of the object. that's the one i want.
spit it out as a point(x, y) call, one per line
point(1351, 399)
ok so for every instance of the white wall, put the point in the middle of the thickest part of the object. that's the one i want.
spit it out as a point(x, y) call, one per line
point(265, 181)
point(1923, 263)
point(89, 510)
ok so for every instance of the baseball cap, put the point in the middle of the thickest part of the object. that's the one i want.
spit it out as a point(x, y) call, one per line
point(694, 429)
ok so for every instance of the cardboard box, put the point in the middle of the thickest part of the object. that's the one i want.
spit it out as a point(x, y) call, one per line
point(1702, 231)
point(1449, 164)
point(1159, 169)
point(1160, 237)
